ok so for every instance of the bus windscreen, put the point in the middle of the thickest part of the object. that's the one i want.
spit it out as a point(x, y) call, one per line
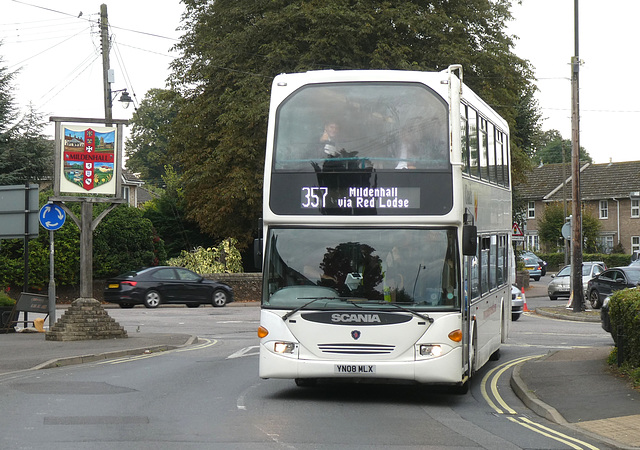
point(358, 268)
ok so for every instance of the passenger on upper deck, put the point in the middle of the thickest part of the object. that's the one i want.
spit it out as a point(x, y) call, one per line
point(329, 137)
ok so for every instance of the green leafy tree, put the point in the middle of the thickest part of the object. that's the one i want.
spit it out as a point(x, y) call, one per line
point(25, 154)
point(124, 240)
point(147, 147)
point(552, 146)
point(550, 226)
point(7, 106)
point(232, 49)
point(591, 227)
point(552, 221)
point(168, 215)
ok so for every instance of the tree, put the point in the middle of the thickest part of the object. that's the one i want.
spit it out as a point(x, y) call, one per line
point(25, 153)
point(123, 241)
point(7, 107)
point(552, 146)
point(232, 49)
point(550, 226)
point(168, 215)
point(147, 148)
point(552, 221)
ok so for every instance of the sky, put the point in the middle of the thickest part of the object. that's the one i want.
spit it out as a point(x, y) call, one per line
point(58, 57)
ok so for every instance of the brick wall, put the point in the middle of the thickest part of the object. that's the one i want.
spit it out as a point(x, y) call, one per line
point(246, 286)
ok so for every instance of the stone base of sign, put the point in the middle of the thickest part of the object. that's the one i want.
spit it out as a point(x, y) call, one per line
point(85, 319)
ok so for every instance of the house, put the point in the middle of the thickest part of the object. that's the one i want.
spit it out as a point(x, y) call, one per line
point(133, 190)
point(610, 192)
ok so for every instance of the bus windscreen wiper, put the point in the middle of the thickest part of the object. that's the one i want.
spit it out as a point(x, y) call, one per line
point(315, 299)
point(415, 313)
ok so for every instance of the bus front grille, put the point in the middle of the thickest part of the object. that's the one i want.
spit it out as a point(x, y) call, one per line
point(357, 349)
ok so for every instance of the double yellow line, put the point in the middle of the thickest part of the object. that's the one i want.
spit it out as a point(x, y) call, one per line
point(489, 388)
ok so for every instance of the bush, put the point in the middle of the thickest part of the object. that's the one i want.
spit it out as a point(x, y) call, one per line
point(225, 258)
point(624, 311)
point(5, 300)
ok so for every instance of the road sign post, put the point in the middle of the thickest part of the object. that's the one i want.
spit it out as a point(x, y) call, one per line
point(52, 217)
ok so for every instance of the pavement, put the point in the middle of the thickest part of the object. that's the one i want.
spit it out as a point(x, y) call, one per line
point(574, 388)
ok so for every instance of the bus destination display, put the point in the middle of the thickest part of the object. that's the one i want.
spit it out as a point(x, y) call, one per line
point(313, 197)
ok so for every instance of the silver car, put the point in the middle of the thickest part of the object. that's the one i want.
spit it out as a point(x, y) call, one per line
point(560, 285)
point(518, 300)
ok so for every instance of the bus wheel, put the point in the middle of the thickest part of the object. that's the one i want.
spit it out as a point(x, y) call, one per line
point(495, 356)
point(305, 382)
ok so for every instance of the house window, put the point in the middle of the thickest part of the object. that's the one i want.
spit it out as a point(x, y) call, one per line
point(604, 209)
point(531, 210)
point(635, 243)
point(605, 243)
point(532, 242)
point(635, 208)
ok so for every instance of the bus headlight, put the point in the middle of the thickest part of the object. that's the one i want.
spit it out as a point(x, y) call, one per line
point(433, 350)
point(284, 347)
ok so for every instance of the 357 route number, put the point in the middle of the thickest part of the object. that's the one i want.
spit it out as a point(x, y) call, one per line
point(314, 197)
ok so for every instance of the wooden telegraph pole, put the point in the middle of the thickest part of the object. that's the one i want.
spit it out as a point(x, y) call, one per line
point(576, 206)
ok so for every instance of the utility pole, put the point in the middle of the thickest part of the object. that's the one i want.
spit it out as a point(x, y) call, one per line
point(104, 35)
point(576, 206)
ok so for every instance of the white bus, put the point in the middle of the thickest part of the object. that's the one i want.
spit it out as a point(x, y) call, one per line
point(386, 229)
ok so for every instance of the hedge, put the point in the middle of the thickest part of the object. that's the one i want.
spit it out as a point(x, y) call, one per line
point(624, 312)
point(555, 261)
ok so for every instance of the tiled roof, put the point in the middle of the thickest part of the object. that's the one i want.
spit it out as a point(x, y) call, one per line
point(597, 181)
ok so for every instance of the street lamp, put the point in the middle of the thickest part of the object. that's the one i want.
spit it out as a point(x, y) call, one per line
point(125, 98)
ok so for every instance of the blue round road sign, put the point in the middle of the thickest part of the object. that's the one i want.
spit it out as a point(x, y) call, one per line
point(52, 216)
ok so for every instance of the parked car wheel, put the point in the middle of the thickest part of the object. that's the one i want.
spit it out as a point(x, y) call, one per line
point(126, 305)
point(536, 278)
point(152, 299)
point(219, 298)
point(553, 297)
point(193, 305)
point(594, 299)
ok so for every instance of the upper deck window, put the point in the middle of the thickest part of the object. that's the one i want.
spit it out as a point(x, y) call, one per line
point(381, 126)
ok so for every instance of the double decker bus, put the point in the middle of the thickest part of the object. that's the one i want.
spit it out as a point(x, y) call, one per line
point(386, 229)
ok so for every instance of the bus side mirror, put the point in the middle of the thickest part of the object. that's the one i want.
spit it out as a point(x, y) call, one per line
point(257, 253)
point(469, 240)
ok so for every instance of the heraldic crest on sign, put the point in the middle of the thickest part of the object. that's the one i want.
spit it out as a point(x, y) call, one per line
point(88, 158)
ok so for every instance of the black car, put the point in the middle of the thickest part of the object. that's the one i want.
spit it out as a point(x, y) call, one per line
point(609, 281)
point(156, 285)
